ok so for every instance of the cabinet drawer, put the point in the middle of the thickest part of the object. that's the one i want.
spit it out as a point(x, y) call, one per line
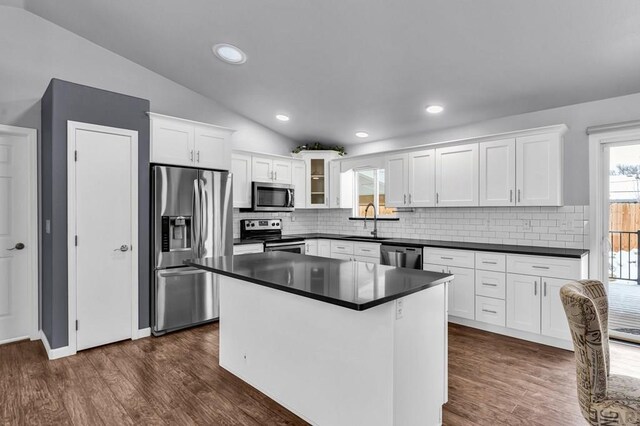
point(248, 248)
point(367, 250)
point(343, 247)
point(544, 266)
point(460, 258)
point(491, 284)
point(491, 261)
point(491, 311)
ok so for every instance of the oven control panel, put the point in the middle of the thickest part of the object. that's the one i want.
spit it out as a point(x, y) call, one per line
point(261, 224)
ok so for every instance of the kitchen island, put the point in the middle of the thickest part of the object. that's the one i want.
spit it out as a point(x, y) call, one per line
point(336, 342)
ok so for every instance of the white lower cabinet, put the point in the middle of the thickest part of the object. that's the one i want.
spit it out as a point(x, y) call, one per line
point(351, 250)
point(248, 248)
point(311, 247)
point(490, 310)
point(523, 302)
point(554, 320)
point(490, 284)
point(324, 248)
point(461, 289)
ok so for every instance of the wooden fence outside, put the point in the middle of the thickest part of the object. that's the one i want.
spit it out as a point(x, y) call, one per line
point(624, 217)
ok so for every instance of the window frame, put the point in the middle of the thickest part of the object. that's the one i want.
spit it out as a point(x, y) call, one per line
point(376, 195)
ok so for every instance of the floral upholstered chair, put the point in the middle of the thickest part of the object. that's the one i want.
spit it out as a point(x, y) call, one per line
point(605, 399)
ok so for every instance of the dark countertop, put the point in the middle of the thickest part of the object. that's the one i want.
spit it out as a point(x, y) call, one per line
point(411, 242)
point(240, 242)
point(351, 284)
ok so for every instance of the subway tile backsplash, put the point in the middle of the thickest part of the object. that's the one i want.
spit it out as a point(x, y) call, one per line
point(566, 226)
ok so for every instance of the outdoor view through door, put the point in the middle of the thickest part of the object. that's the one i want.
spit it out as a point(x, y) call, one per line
point(624, 230)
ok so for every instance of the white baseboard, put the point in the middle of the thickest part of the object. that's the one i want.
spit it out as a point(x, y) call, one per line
point(523, 335)
point(55, 353)
point(14, 339)
point(144, 332)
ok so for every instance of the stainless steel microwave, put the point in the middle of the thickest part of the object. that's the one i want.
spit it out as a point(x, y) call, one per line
point(272, 197)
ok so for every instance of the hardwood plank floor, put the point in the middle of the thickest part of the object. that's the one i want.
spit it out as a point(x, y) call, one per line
point(493, 380)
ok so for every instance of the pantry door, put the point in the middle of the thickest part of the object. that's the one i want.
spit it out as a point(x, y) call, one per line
point(18, 234)
point(103, 218)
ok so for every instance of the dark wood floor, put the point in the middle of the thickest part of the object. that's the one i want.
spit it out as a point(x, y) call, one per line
point(176, 379)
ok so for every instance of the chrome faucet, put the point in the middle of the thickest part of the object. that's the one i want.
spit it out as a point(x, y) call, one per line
point(375, 220)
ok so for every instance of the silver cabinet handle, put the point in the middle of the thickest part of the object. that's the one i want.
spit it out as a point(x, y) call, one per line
point(191, 155)
point(446, 258)
point(405, 198)
point(198, 156)
point(539, 267)
point(518, 195)
point(535, 288)
point(338, 200)
point(544, 289)
point(437, 197)
point(409, 199)
point(275, 174)
point(489, 262)
point(511, 195)
point(367, 250)
point(489, 311)
point(123, 248)
point(18, 246)
point(490, 284)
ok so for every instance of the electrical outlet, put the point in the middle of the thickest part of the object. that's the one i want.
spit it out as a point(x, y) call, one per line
point(293, 217)
point(526, 224)
point(399, 308)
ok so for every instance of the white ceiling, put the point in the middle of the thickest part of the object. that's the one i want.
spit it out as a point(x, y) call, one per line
point(339, 66)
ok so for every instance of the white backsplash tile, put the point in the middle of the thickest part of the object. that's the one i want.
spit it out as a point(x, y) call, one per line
point(566, 226)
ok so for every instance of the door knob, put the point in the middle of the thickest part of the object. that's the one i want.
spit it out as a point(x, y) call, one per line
point(18, 246)
point(123, 247)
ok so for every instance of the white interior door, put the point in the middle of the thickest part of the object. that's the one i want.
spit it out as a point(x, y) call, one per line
point(17, 297)
point(106, 229)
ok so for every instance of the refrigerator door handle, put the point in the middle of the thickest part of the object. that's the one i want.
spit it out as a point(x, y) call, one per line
point(196, 232)
point(204, 222)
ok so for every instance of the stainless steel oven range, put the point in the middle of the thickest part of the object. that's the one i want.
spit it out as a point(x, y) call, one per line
point(269, 231)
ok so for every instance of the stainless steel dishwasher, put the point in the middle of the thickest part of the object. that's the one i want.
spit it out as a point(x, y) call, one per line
point(402, 257)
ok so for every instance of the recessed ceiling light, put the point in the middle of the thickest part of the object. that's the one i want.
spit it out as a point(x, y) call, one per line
point(282, 117)
point(362, 134)
point(229, 54)
point(435, 109)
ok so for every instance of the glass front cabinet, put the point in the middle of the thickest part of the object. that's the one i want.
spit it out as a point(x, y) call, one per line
point(317, 163)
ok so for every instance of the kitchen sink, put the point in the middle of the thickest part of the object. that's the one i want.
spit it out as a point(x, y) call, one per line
point(365, 238)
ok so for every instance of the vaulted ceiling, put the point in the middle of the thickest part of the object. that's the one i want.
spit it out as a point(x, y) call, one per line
point(340, 66)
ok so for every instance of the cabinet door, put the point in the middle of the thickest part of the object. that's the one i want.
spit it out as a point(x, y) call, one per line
point(497, 172)
point(340, 187)
point(462, 294)
point(422, 178)
point(457, 176)
point(318, 196)
point(324, 248)
point(539, 170)
point(282, 171)
point(311, 247)
point(299, 182)
point(241, 169)
point(172, 143)
point(554, 319)
point(395, 176)
point(341, 256)
point(261, 169)
point(212, 148)
point(523, 302)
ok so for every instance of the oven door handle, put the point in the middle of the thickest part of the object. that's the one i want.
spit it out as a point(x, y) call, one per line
point(270, 245)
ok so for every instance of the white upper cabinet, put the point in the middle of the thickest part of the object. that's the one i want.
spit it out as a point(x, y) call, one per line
point(282, 171)
point(180, 142)
point(498, 172)
point(318, 187)
point(422, 178)
point(299, 182)
point(395, 180)
point(457, 176)
point(539, 170)
point(262, 169)
point(241, 169)
point(340, 187)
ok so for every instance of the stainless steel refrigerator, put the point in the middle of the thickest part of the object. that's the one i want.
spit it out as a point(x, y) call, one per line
point(192, 217)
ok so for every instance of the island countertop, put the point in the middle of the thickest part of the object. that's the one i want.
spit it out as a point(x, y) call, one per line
point(350, 284)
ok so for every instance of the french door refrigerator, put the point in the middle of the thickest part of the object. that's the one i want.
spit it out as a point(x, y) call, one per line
point(192, 217)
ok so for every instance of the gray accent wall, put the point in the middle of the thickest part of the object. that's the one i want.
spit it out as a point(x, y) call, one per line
point(65, 101)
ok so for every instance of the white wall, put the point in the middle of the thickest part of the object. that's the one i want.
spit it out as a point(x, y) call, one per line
point(34, 50)
point(578, 117)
